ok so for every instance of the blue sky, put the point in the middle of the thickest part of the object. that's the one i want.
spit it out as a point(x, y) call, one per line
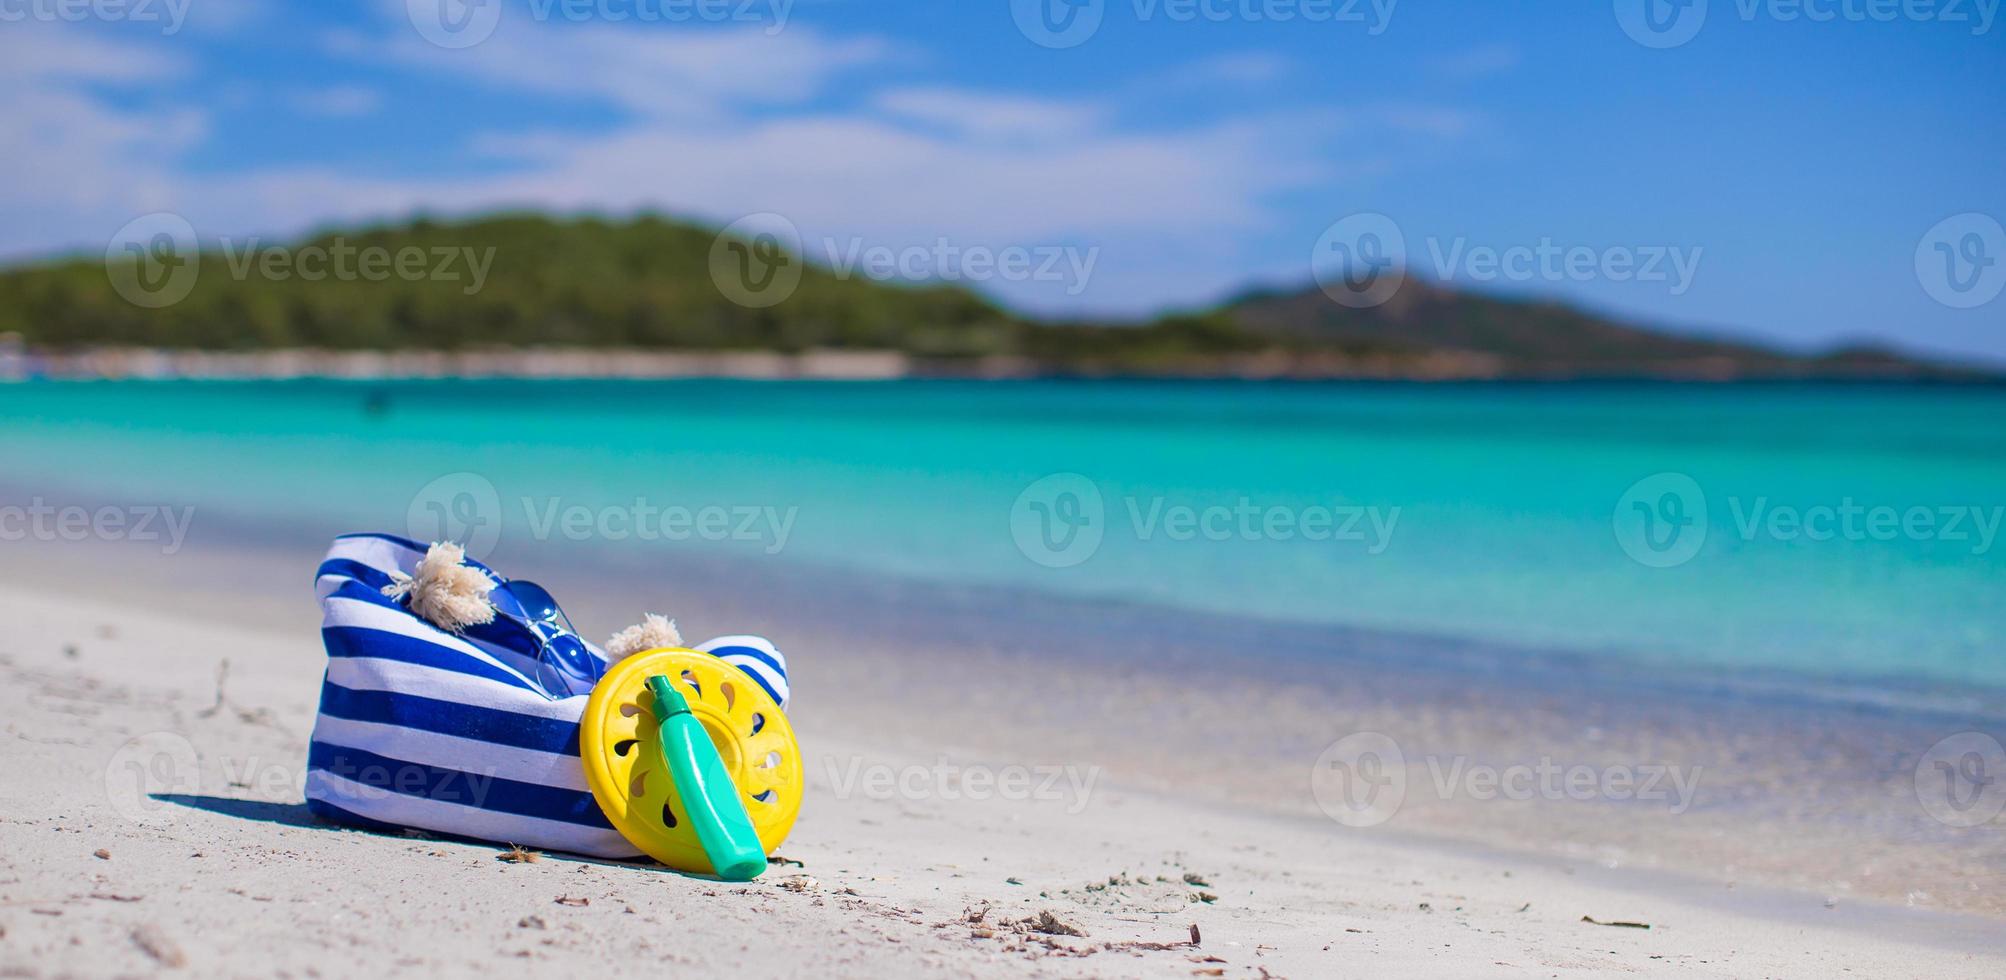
point(1799, 164)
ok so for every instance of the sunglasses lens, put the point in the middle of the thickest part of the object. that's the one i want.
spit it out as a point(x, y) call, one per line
point(566, 658)
point(538, 605)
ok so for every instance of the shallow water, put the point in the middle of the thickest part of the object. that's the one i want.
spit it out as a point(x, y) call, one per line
point(1849, 533)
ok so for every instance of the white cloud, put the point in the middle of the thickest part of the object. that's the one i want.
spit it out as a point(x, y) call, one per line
point(647, 71)
point(989, 115)
point(721, 124)
point(73, 161)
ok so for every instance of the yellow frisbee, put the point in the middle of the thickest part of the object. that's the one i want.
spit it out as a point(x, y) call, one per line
point(619, 739)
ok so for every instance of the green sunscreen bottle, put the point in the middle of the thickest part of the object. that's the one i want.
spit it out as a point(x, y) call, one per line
point(708, 794)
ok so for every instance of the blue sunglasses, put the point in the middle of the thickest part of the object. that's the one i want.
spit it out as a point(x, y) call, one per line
point(564, 665)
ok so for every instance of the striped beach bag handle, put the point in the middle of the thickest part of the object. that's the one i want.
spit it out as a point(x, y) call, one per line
point(472, 734)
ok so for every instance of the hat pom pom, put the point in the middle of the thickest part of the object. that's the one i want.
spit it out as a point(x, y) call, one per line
point(446, 592)
point(653, 632)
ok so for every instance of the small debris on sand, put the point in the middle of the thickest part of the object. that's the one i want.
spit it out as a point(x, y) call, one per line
point(1195, 880)
point(518, 855)
point(1194, 933)
point(157, 944)
point(573, 902)
point(1012, 881)
point(776, 859)
point(1048, 923)
point(101, 854)
point(799, 883)
point(1621, 925)
point(531, 922)
point(1206, 897)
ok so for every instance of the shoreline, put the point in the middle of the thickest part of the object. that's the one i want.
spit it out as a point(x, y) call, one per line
point(648, 364)
point(1793, 791)
point(229, 875)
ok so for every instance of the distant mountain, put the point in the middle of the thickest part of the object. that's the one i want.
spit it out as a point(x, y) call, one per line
point(646, 284)
point(1523, 338)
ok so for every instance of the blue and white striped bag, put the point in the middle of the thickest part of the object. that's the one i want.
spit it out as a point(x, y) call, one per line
point(469, 735)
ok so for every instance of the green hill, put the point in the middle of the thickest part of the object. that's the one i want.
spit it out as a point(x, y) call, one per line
point(646, 283)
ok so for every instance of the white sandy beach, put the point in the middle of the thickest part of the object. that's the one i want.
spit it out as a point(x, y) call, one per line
point(117, 692)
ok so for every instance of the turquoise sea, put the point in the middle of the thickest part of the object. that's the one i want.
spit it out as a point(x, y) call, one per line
point(1842, 532)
